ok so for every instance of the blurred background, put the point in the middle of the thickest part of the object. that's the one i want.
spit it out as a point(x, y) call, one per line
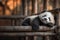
point(23, 8)
point(26, 7)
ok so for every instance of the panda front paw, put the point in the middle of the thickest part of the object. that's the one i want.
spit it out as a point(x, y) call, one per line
point(35, 28)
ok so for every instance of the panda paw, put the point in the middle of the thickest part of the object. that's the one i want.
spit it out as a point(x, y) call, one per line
point(35, 28)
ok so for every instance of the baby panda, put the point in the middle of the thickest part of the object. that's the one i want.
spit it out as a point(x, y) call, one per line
point(43, 19)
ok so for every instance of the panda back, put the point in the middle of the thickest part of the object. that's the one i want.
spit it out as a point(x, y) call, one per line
point(31, 17)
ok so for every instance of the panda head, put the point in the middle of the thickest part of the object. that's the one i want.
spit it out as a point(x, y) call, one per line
point(47, 18)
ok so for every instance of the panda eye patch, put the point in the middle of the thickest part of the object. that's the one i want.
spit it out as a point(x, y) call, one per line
point(44, 16)
point(49, 19)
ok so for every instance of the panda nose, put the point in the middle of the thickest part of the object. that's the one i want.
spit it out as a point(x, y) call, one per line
point(45, 19)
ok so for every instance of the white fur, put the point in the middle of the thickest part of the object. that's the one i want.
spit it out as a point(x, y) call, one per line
point(48, 14)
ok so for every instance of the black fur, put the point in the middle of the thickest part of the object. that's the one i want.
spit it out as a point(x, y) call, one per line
point(35, 23)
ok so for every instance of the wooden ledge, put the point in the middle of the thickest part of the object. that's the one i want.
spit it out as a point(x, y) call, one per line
point(23, 28)
point(27, 34)
point(12, 17)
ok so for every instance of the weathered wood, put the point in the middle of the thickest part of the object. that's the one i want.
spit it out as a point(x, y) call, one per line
point(44, 4)
point(12, 17)
point(30, 7)
point(26, 33)
point(58, 21)
point(33, 1)
point(24, 28)
point(5, 22)
point(18, 16)
point(47, 38)
point(55, 11)
point(26, 37)
point(35, 37)
point(35, 7)
point(56, 4)
point(25, 8)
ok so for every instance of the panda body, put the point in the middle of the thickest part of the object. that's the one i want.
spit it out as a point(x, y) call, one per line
point(36, 20)
point(27, 21)
point(31, 17)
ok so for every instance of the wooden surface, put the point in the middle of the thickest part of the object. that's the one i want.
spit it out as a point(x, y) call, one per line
point(12, 17)
point(24, 28)
point(26, 33)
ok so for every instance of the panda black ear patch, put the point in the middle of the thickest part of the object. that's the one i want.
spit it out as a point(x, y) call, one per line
point(44, 16)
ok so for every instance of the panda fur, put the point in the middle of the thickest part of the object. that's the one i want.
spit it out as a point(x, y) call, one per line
point(28, 20)
point(34, 21)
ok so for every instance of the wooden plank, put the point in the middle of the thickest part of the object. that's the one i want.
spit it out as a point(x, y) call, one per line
point(25, 8)
point(44, 4)
point(12, 17)
point(47, 38)
point(33, 1)
point(26, 38)
point(35, 37)
point(15, 28)
point(58, 21)
point(30, 7)
point(35, 6)
point(5, 22)
point(55, 4)
point(26, 33)
point(55, 10)
point(19, 16)
point(24, 28)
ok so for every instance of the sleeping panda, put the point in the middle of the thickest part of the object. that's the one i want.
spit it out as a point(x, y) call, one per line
point(43, 19)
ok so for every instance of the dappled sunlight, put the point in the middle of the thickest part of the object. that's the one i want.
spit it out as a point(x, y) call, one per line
point(16, 7)
point(13, 3)
point(9, 6)
point(49, 7)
